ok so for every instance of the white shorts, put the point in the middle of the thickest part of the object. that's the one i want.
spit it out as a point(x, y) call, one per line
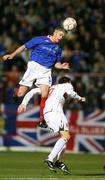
point(56, 121)
point(37, 72)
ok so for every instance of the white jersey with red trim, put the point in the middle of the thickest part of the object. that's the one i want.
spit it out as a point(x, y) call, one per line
point(57, 96)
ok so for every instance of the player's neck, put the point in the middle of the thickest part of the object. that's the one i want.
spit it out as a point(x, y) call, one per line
point(51, 38)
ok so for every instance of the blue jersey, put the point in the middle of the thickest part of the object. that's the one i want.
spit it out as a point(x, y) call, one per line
point(44, 51)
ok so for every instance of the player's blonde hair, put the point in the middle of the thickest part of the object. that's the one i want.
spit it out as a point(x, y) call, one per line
point(59, 29)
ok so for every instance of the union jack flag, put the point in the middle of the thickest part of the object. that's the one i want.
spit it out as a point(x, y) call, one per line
point(87, 130)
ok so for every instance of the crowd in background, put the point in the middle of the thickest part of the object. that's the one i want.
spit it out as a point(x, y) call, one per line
point(84, 49)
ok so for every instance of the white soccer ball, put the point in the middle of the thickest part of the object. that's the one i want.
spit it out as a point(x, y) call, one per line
point(69, 24)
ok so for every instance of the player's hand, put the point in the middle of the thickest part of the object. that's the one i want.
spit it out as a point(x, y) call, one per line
point(83, 99)
point(7, 57)
point(21, 108)
point(66, 65)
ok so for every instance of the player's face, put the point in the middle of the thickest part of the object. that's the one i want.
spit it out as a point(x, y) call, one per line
point(58, 35)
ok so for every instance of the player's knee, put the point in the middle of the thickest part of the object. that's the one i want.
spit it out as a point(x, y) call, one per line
point(18, 93)
point(66, 137)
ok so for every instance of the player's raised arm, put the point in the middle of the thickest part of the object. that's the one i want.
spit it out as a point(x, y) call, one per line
point(15, 53)
point(74, 95)
point(26, 99)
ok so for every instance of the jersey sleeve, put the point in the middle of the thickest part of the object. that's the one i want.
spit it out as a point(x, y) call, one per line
point(70, 91)
point(29, 95)
point(33, 42)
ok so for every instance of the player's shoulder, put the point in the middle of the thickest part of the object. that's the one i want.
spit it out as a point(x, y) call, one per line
point(66, 86)
point(61, 86)
point(39, 37)
point(44, 39)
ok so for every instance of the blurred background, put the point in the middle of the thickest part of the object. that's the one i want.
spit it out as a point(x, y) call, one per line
point(84, 49)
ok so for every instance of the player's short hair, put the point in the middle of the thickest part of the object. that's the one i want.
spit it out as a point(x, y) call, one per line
point(64, 79)
point(59, 29)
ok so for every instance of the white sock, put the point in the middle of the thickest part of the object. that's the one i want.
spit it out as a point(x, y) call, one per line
point(61, 154)
point(57, 148)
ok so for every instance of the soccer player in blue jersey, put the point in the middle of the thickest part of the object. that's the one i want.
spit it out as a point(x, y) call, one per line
point(45, 53)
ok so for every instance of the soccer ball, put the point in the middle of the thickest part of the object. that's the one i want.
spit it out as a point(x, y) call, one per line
point(69, 24)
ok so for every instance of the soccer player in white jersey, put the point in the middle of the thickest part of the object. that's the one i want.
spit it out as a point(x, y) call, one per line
point(55, 118)
point(45, 53)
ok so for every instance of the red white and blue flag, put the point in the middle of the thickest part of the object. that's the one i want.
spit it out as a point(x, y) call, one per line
point(87, 130)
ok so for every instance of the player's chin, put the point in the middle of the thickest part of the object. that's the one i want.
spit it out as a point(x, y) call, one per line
point(57, 40)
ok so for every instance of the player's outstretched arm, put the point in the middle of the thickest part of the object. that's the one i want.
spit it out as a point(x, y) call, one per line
point(26, 99)
point(62, 66)
point(74, 95)
point(15, 53)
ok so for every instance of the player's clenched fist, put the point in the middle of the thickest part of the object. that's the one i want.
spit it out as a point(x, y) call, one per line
point(83, 99)
point(6, 57)
point(21, 108)
point(66, 65)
